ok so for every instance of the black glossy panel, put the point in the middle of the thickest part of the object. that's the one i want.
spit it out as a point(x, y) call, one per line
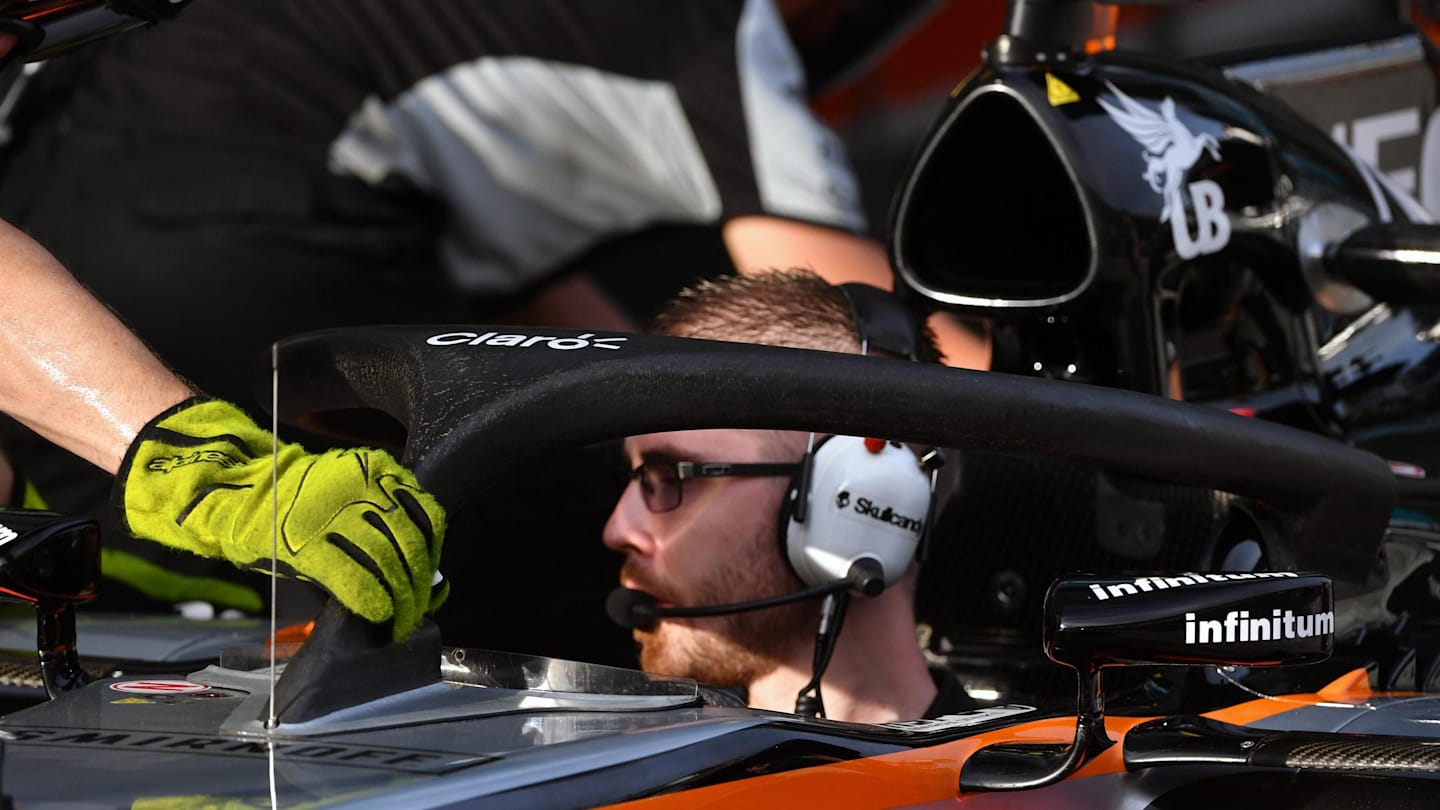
point(993, 213)
point(1250, 619)
point(48, 558)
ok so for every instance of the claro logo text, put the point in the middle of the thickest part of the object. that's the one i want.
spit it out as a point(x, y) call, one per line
point(587, 340)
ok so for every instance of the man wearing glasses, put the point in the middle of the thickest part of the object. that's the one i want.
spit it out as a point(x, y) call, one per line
point(698, 525)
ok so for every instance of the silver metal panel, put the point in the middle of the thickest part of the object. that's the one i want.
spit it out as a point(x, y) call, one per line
point(1417, 716)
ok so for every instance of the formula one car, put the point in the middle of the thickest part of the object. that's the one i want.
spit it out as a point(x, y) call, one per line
point(1254, 627)
point(355, 720)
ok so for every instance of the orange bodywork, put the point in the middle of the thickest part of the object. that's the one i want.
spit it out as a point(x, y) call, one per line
point(292, 634)
point(932, 774)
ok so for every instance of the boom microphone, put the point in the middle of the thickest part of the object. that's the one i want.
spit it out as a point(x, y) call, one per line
point(630, 608)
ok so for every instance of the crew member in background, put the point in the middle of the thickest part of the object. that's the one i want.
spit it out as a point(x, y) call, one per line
point(260, 168)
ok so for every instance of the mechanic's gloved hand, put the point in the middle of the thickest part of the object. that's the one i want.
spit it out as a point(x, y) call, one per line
point(354, 522)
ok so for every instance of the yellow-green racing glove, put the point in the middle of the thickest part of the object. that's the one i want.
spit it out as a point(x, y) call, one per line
point(355, 521)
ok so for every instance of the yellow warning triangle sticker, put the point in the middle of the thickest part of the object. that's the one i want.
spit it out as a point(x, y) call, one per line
point(1059, 92)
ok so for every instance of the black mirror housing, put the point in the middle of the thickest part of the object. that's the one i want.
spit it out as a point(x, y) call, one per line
point(1259, 619)
point(51, 561)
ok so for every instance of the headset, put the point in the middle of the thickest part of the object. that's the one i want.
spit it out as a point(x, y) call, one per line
point(861, 498)
point(856, 514)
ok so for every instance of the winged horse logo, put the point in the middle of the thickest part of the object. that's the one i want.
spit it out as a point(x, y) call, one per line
point(1170, 149)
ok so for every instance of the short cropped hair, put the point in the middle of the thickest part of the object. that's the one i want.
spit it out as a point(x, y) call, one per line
point(794, 308)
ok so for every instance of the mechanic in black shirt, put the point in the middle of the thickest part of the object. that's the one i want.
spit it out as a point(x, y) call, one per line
point(191, 472)
point(261, 168)
point(197, 474)
point(690, 539)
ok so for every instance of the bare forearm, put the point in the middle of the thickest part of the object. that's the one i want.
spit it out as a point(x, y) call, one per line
point(760, 243)
point(68, 368)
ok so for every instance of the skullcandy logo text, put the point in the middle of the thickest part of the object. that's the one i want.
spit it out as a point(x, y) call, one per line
point(7, 534)
point(564, 344)
point(167, 464)
point(1240, 626)
point(870, 509)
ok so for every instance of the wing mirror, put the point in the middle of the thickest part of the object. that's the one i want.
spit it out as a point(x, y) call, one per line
point(51, 561)
point(1259, 619)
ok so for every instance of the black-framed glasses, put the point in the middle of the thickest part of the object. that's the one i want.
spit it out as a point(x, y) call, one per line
point(661, 480)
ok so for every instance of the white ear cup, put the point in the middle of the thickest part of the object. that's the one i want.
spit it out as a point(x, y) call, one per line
point(861, 504)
